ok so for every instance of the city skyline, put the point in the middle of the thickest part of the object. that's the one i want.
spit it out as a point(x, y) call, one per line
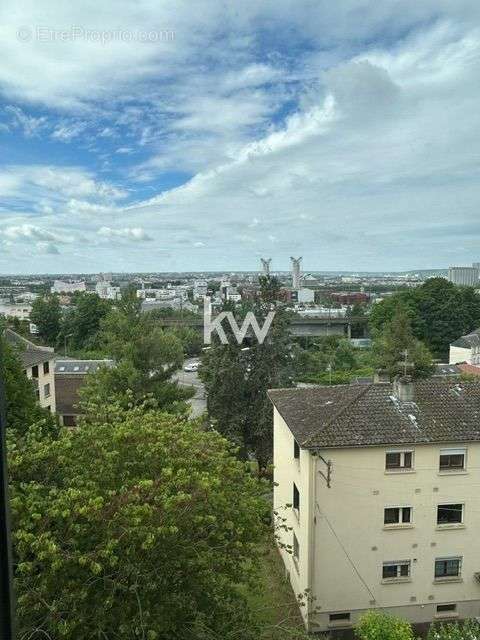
point(154, 138)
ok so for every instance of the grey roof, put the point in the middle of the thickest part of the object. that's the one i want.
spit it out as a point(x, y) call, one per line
point(468, 341)
point(447, 370)
point(80, 367)
point(445, 410)
point(29, 353)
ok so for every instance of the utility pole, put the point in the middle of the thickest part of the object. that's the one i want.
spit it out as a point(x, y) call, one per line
point(6, 573)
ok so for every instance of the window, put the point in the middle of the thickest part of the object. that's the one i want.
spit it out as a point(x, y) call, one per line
point(399, 460)
point(296, 548)
point(397, 515)
point(296, 450)
point(339, 617)
point(396, 570)
point(69, 421)
point(452, 459)
point(449, 514)
point(46, 367)
point(448, 568)
point(46, 390)
point(446, 608)
point(35, 371)
point(296, 498)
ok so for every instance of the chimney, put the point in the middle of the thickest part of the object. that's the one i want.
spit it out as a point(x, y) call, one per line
point(404, 389)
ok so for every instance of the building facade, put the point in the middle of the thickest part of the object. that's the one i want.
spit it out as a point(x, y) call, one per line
point(466, 349)
point(59, 286)
point(379, 496)
point(464, 276)
point(39, 365)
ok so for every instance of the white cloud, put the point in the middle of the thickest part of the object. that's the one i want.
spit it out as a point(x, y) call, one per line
point(134, 234)
point(30, 125)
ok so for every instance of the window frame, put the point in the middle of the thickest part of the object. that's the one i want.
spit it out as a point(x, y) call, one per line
point(296, 450)
point(446, 577)
point(296, 499)
point(452, 608)
point(401, 468)
point(340, 617)
point(451, 524)
point(47, 390)
point(296, 552)
point(46, 368)
point(401, 522)
point(399, 577)
point(453, 451)
point(35, 372)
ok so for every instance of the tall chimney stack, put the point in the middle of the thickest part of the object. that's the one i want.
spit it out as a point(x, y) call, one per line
point(404, 389)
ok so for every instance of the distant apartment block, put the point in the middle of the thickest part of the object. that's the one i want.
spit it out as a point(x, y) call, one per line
point(21, 311)
point(464, 276)
point(38, 364)
point(377, 484)
point(106, 291)
point(59, 286)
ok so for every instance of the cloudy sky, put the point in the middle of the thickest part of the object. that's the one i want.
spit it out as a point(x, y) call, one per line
point(150, 135)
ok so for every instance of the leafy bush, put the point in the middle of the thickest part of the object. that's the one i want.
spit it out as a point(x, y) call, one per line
point(374, 625)
point(468, 630)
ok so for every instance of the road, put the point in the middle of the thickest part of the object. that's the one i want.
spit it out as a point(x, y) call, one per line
point(191, 379)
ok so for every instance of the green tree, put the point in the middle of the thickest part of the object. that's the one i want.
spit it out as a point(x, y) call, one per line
point(143, 527)
point(237, 378)
point(84, 321)
point(47, 315)
point(391, 344)
point(375, 625)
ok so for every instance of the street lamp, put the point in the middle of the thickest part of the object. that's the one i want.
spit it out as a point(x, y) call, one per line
point(6, 573)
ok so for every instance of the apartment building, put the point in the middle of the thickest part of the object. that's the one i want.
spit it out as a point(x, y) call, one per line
point(378, 488)
point(39, 365)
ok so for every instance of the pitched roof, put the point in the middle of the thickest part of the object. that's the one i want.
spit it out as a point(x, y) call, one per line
point(30, 353)
point(445, 410)
point(80, 367)
point(468, 341)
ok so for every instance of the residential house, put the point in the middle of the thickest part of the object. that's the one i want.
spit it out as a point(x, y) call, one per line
point(378, 488)
point(466, 349)
point(70, 376)
point(38, 364)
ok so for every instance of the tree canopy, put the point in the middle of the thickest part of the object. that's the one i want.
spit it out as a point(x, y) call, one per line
point(46, 314)
point(156, 545)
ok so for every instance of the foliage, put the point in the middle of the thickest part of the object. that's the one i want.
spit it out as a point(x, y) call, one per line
point(389, 348)
point(439, 312)
point(82, 324)
point(145, 357)
point(46, 314)
point(467, 630)
point(22, 406)
point(156, 546)
point(237, 378)
point(375, 625)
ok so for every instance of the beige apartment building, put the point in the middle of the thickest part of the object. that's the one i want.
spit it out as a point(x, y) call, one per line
point(39, 366)
point(379, 486)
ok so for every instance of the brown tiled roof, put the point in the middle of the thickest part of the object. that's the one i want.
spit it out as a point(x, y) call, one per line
point(363, 415)
point(469, 368)
point(29, 353)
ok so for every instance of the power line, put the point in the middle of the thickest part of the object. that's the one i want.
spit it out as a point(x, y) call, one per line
point(357, 571)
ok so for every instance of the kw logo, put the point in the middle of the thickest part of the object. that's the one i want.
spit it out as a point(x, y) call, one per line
point(209, 325)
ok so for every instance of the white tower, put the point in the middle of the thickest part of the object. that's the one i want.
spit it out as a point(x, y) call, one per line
point(265, 266)
point(296, 274)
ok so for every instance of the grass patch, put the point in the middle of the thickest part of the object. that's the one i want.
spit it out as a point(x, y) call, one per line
point(273, 600)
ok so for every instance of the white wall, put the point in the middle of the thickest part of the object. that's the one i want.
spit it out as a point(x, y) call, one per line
point(459, 354)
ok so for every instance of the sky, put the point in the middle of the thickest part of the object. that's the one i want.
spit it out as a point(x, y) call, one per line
point(145, 135)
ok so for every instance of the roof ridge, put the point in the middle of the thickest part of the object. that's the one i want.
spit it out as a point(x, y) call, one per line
point(341, 411)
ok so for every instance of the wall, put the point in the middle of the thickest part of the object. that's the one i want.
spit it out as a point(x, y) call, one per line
point(459, 354)
point(44, 379)
point(351, 542)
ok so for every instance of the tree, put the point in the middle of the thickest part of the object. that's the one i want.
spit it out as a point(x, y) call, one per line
point(83, 323)
point(390, 346)
point(237, 378)
point(375, 625)
point(160, 544)
point(46, 314)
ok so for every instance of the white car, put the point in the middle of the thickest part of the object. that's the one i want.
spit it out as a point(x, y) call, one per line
point(191, 366)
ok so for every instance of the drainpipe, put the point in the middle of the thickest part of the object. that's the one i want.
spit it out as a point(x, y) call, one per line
point(311, 535)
